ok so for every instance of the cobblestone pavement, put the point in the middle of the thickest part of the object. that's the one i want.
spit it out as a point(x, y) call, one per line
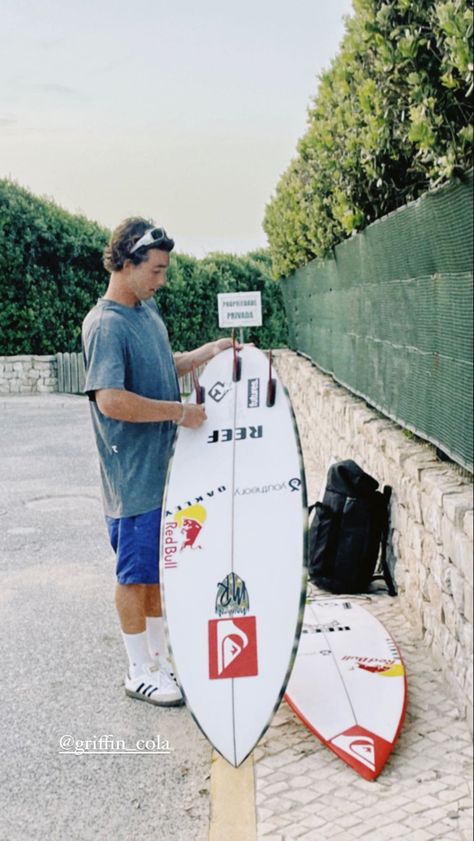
point(425, 791)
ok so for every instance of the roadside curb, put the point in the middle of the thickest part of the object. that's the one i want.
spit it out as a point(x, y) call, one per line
point(233, 805)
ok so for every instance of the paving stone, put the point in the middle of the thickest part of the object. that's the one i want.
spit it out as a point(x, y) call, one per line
point(297, 782)
point(278, 804)
point(275, 788)
point(347, 821)
point(312, 835)
point(263, 813)
point(419, 821)
point(265, 828)
point(421, 804)
point(302, 795)
point(345, 835)
point(294, 831)
point(421, 835)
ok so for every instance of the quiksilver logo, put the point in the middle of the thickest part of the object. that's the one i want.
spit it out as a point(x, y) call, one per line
point(233, 648)
point(361, 748)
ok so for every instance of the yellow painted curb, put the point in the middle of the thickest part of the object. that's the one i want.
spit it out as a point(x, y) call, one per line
point(233, 809)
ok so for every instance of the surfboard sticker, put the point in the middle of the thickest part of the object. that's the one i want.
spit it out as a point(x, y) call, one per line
point(232, 648)
point(233, 559)
point(348, 683)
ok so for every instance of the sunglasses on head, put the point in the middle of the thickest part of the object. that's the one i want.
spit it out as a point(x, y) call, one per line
point(154, 236)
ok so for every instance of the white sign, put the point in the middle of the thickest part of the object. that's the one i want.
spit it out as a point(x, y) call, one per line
point(240, 309)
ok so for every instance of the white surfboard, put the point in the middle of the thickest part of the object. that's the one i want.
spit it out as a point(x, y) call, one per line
point(348, 683)
point(233, 554)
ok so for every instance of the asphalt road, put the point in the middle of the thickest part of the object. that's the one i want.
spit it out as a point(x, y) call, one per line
point(63, 658)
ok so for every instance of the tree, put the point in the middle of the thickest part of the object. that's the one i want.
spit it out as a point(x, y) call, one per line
point(392, 117)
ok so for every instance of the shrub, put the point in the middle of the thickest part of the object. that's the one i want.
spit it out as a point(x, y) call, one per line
point(392, 117)
point(51, 274)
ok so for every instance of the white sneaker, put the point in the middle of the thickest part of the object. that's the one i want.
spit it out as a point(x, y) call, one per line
point(155, 686)
point(167, 666)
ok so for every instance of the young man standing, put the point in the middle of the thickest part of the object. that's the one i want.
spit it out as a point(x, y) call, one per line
point(132, 382)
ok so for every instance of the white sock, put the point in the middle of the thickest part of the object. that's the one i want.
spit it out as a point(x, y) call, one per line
point(155, 629)
point(137, 651)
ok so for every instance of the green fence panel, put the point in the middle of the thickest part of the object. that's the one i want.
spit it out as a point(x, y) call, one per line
point(391, 315)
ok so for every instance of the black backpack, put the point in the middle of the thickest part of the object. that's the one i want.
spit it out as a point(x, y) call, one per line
point(349, 531)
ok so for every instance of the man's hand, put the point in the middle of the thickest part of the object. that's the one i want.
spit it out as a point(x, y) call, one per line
point(184, 361)
point(193, 416)
point(224, 344)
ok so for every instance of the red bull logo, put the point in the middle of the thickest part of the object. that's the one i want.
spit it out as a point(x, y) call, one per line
point(190, 522)
point(171, 546)
point(377, 666)
point(182, 532)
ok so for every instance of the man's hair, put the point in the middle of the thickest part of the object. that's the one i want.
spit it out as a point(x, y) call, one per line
point(124, 238)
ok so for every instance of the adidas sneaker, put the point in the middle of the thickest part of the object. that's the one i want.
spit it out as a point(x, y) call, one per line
point(155, 686)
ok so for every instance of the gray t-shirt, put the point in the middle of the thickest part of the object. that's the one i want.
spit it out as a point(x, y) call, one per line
point(128, 348)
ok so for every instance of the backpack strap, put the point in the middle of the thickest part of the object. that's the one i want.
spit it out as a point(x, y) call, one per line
point(385, 574)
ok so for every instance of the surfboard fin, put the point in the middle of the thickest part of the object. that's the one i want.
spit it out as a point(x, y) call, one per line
point(237, 364)
point(199, 389)
point(271, 385)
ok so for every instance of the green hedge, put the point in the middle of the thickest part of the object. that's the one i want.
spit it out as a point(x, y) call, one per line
point(392, 117)
point(51, 274)
point(189, 301)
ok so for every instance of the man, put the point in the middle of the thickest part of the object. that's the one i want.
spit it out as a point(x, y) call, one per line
point(132, 382)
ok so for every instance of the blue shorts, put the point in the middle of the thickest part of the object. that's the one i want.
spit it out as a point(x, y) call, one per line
point(136, 543)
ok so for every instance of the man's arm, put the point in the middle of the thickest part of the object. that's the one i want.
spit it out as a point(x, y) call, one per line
point(184, 361)
point(123, 405)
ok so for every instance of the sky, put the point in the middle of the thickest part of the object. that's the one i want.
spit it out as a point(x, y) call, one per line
point(184, 112)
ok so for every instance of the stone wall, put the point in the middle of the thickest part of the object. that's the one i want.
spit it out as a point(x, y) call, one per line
point(63, 372)
point(28, 374)
point(431, 534)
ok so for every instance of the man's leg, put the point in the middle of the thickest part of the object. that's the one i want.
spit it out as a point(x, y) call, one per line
point(136, 543)
point(153, 600)
point(139, 610)
point(131, 600)
point(147, 680)
point(155, 627)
